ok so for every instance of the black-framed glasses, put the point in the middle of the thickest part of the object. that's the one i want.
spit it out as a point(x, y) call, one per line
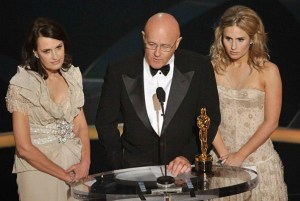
point(162, 47)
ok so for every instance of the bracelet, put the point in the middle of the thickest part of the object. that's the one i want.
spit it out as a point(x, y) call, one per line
point(223, 159)
point(224, 156)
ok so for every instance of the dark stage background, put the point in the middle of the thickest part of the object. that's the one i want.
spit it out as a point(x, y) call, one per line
point(105, 30)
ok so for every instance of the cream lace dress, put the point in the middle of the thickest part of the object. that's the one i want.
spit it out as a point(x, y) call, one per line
point(242, 112)
point(50, 131)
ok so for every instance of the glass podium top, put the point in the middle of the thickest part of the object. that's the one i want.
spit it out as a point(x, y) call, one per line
point(141, 184)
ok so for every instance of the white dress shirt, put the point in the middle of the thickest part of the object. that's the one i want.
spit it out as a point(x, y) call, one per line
point(151, 83)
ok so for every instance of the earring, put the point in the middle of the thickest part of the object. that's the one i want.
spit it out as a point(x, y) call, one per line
point(35, 54)
point(251, 43)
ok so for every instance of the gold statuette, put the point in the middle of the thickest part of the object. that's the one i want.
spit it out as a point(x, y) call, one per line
point(203, 161)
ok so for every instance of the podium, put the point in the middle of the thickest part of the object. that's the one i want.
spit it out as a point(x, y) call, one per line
point(135, 184)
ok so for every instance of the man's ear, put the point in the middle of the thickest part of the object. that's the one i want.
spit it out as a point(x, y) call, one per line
point(144, 35)
point(178, 42)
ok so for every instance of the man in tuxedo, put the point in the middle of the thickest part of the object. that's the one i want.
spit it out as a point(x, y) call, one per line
point(152, 136)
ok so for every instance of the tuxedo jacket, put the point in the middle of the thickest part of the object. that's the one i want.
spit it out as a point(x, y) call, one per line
point(193, 87)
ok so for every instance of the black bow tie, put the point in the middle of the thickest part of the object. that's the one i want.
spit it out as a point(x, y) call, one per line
point(165, 70)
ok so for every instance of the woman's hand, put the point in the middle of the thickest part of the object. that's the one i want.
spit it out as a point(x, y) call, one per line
point(234, 159)
point(79, 171)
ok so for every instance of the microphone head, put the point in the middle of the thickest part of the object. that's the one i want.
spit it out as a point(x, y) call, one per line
point(161, 94)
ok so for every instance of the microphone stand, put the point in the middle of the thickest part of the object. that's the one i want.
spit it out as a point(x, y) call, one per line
point(164, 181)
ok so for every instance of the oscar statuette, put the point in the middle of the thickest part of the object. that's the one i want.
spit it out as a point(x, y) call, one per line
point(203, 161)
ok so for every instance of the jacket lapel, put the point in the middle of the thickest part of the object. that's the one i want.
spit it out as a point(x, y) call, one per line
point(135, 91)
point(179, 88)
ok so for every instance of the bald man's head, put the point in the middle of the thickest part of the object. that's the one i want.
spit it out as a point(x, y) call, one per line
point(163, 21)
point(161, 36)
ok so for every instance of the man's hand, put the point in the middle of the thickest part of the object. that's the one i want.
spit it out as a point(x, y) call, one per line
point(179, 165)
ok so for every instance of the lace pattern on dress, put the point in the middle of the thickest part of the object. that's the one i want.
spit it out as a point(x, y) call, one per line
point(15, 101)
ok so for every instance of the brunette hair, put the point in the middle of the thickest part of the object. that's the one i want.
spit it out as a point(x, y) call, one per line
point(47, 28)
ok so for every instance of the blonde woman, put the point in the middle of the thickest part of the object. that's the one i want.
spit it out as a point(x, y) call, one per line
point(250, 92)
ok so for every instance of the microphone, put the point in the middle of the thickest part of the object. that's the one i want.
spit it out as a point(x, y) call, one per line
point(164, 180)
point(161, 94)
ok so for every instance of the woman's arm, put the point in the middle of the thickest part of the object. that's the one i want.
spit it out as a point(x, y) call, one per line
point(81, 130)
point(27, 151)
point(220, 147)
point(273, 100)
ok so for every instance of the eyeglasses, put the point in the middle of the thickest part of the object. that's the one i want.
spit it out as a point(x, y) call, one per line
point(163, 47)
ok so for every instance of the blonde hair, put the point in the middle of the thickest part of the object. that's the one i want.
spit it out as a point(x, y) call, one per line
point(249, 21)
